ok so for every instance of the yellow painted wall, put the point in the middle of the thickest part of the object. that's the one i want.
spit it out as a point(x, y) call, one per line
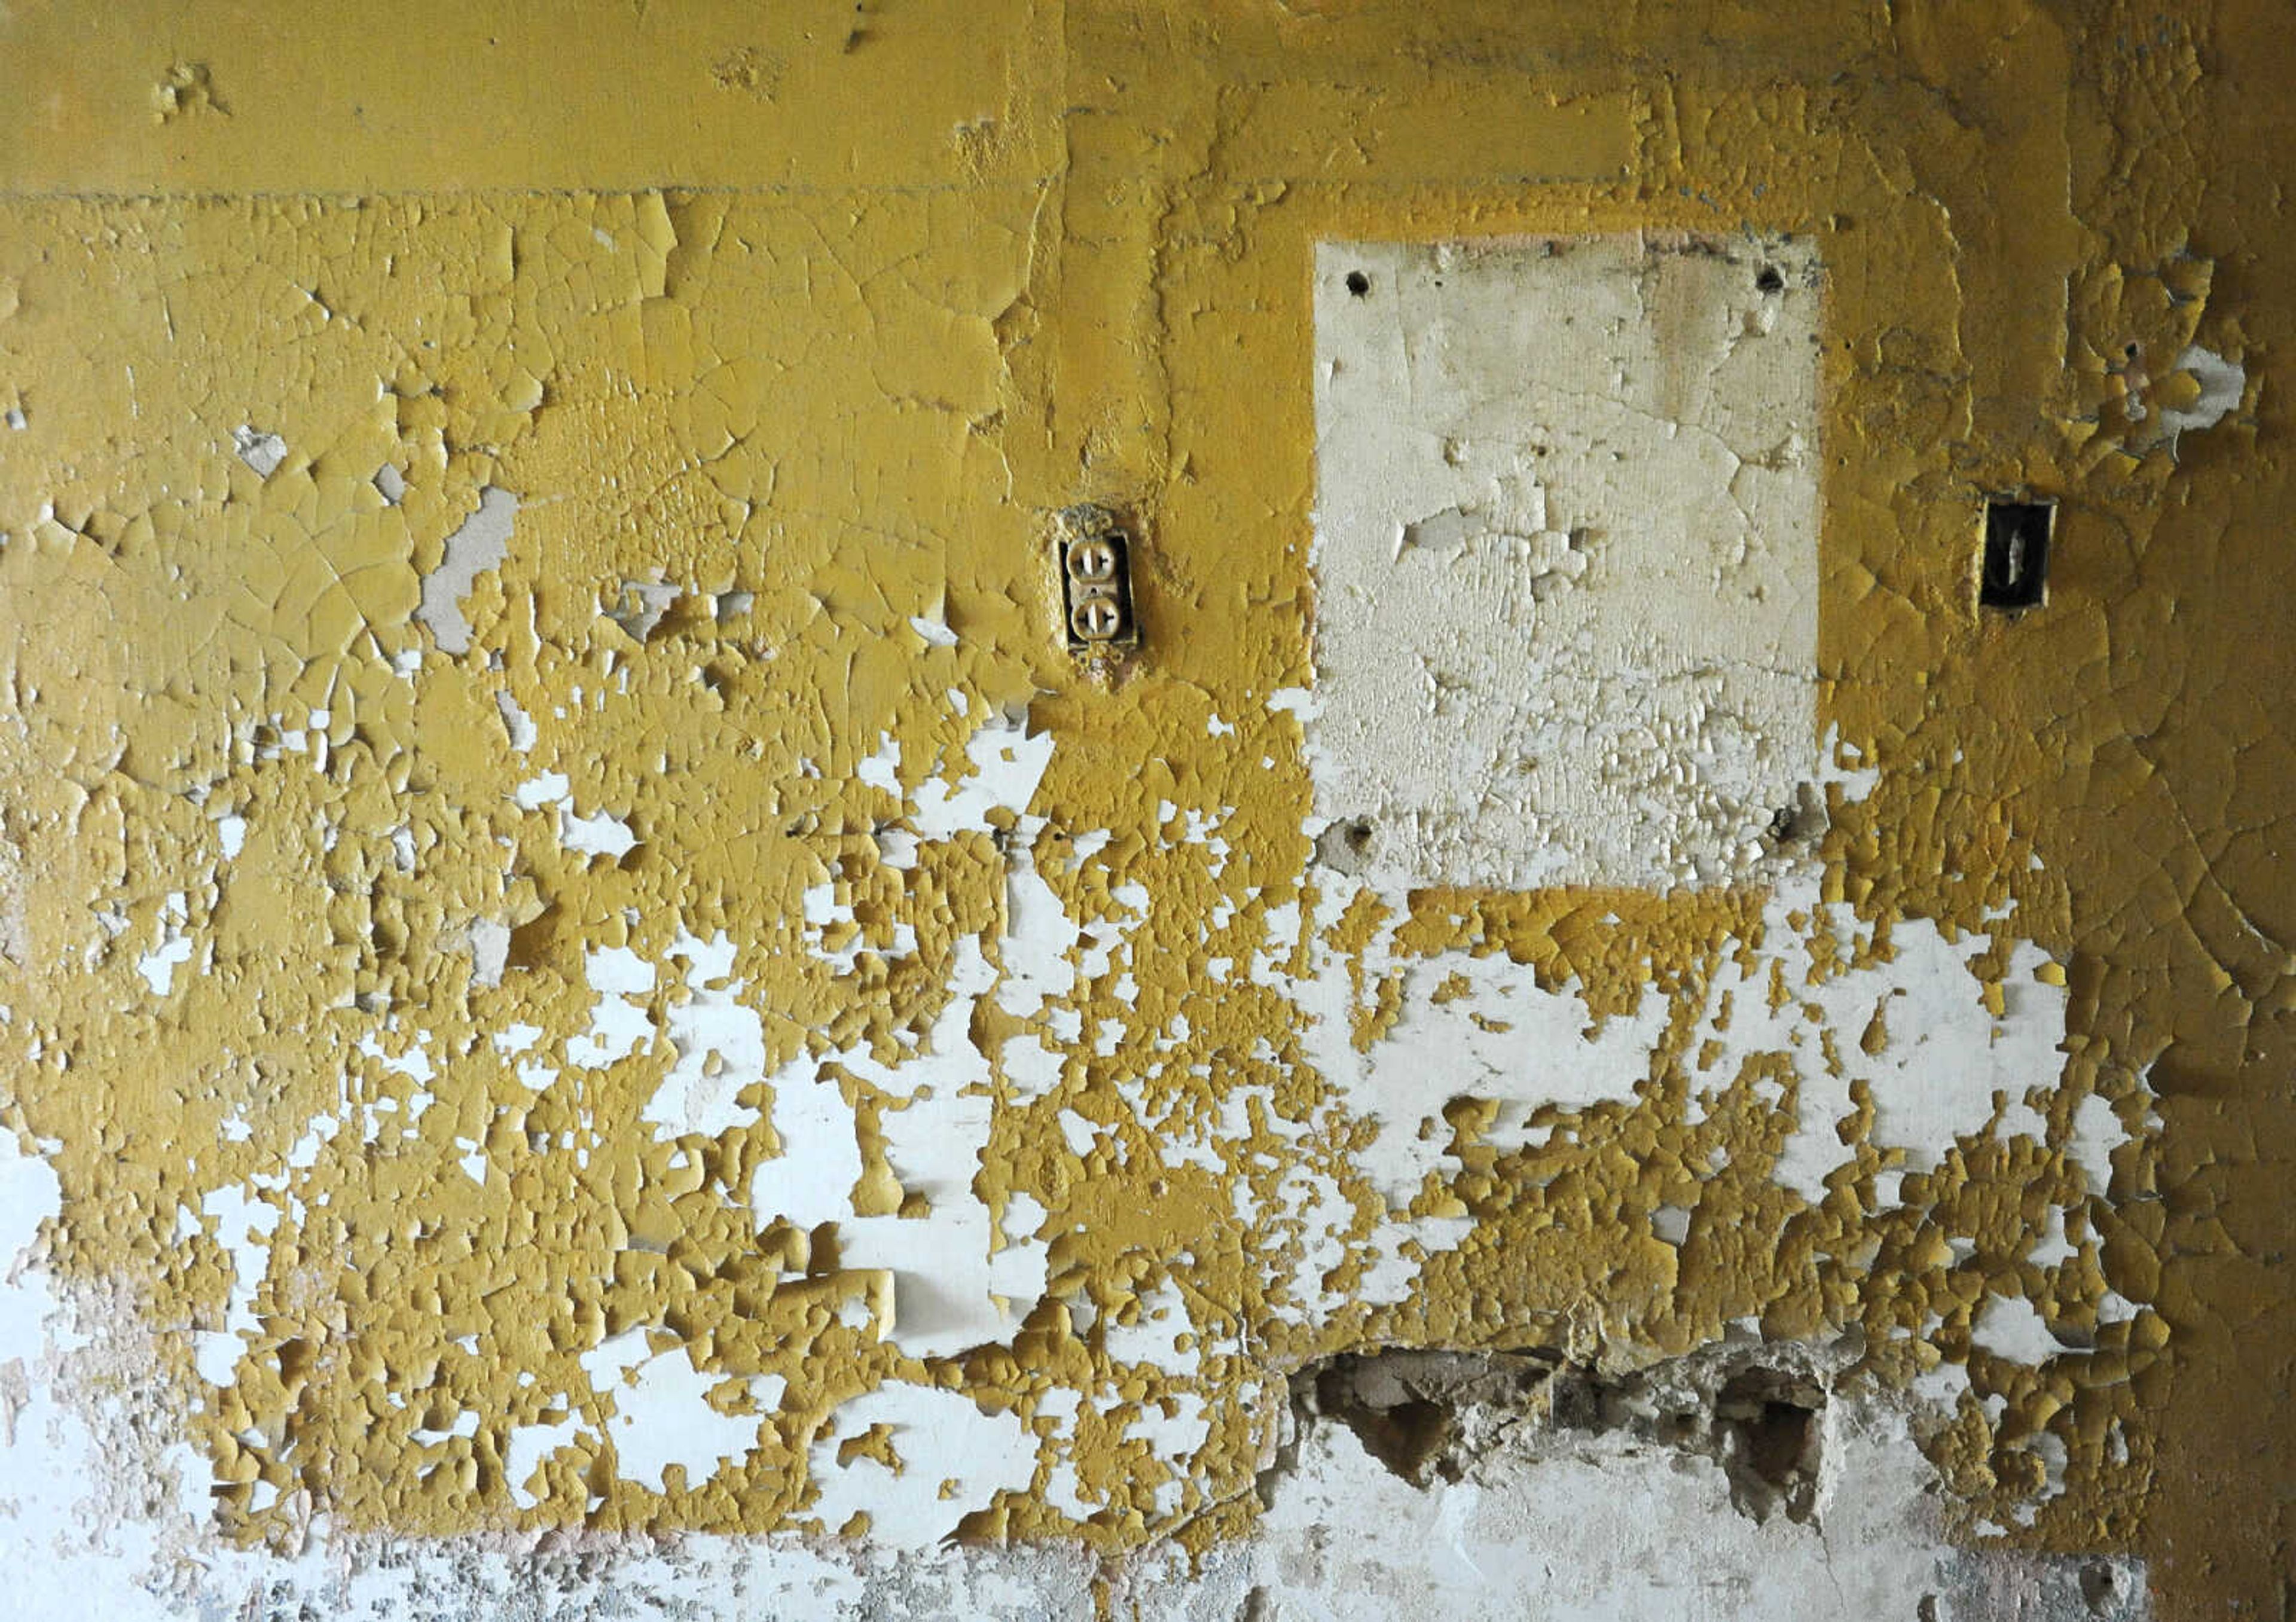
point(835, 305)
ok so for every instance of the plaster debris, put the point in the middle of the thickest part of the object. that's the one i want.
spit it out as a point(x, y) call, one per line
point(1500, 1490)
point(186, 88)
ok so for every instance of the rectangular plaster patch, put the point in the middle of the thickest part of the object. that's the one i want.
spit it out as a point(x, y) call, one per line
point(1566, 555)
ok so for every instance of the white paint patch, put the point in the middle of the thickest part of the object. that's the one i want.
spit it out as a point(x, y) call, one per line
point(535, 792)
point(2011, 1326)
point(1479, 1026)
point(619, 1022)
point(599, 834)
point(662, 1414)
point(1582, 1529)
point(1004, 765)
point(526, 1449)
point(489, 952)
point(957, 1281)
point(158, 966)
point(952, 1458)
point(263, 452)
point(1566, 553)
point(516, 722)
point(2222, 382)
point(1807, 1000)
point(720, 1046)
point(243, 1227)
point(479, 545)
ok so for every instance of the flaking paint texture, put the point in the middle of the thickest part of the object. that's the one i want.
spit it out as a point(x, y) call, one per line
point(550, 821)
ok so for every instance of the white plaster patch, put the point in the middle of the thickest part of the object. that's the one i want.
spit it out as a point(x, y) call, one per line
point(476, 546)
point(1566, 553)
point(243, 1227)
point(1604, 1528)
point(953, 1457)
point(599, 834)
point(618, 1023)
point(2222, 382)
point(662, 1414)
point(262, 451)
point(720, 1046)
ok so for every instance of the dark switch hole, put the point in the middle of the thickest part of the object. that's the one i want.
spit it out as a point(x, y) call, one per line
point(1359, 284)
point(2016, 568)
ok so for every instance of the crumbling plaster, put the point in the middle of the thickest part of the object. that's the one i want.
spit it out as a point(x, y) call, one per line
point(596, 1008)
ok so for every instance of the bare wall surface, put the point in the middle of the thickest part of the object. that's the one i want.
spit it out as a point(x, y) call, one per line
point(606, 1008)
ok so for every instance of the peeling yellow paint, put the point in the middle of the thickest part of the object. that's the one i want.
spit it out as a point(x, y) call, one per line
point(790, 335)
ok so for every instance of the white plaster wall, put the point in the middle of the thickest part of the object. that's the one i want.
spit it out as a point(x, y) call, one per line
point(1566, 555)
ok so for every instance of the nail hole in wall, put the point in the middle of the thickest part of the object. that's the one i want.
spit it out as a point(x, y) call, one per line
point(1359, 284)
point(1769, 280)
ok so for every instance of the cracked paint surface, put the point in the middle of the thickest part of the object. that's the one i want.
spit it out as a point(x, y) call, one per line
point(583, 979)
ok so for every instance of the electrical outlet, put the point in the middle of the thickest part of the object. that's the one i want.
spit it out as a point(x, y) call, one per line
point(1093, 556)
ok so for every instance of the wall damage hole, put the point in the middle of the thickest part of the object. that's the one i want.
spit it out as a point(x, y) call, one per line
point(1769, 280)
point(1346, 846)
point(1430, 1416)
point(2015, 566)
point(1801, 820)
point(1767, 1425)
point(1425, 1415)
point(1359, 284)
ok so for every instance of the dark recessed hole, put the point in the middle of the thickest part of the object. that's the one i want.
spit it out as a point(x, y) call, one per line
point(2096, 1586)
point(1801, 819)
point(1347, 845)
point(2130, 352)
point(2015, 568)
point(1359, 284)
point(1769, 281)
point(1769, 1425)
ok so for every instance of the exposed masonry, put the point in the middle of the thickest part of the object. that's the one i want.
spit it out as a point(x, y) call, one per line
point(1428, 1415)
